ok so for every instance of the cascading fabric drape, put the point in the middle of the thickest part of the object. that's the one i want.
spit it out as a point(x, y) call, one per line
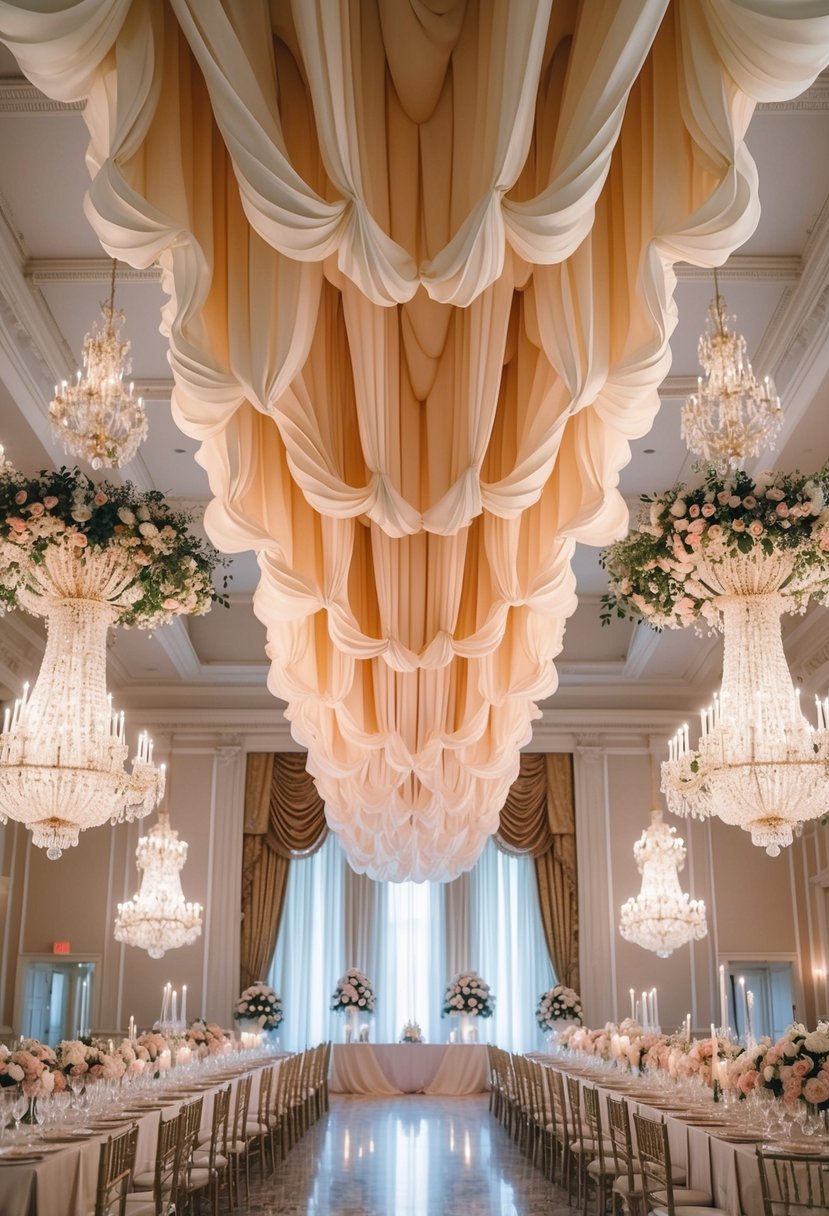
point(539, 818)
point(284, 818)
point(419, 267)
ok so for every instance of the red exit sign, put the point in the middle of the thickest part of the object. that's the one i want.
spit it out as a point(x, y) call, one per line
point(60, 948)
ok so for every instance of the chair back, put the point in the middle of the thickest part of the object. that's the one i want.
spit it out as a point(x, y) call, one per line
point(793, 1186)
point(218, 1125)
point(190, 1115)
point(618, 1121)
point(655, 1163)
point(263, 1104)
point(240, 1108)
point(116, 1162)
point(167, 1164)
point(593, 1118)
point(562, 1119)
point(574, 1120)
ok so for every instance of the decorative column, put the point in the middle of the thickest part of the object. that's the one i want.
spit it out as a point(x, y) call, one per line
point(597, 956)
point(224, 896)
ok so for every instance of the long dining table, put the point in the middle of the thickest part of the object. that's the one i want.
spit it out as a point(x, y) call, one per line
point(714, 1158)
point(390, 1069)
point(62, 1181)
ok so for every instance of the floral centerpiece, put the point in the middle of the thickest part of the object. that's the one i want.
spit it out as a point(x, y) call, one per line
point(30, 1068)
point(260, 1004)
point(559, 1004)
point(794, 1067)
point(772, 529)
point(411, 1033)
point(59, 527)
point(469, 994)
point(206, 1038)
point(353, 991)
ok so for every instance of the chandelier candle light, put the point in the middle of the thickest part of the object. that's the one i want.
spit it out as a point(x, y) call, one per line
point(158, 918)
point(661, 917)
point(732, 416)
point(85, 557)
point(98, 418)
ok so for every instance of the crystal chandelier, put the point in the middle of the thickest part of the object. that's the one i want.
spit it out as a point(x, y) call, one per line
point(63, 749)
point(157, 918)
point(759, 763)
point(97, 418)
point(661, 917)
point(732, 416)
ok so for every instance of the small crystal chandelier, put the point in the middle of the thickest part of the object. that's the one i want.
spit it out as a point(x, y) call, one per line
point(97, 418)
point(661, 917)
point(759, 763)
point(732, 416)
point(157, 918)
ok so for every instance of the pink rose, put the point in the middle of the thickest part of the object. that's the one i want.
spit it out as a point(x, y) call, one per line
point(749, 502)
point(723, 497)
point(772, 1056)
point(16, 523)
point(791, 1090)
point(747, 1081)
point(816, 1091)
point(172, 605)
point(693, 510)
point(708, 510)
point(802, 1067)
point(50, 501)
point(100, 498)
point(20, 497)
point(36, 509)
point(78, 540)
point(782, 510)
point(755, 528)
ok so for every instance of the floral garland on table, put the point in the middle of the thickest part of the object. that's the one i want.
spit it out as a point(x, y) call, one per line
point(169, 570)
point(558, 1004)
point(655, 572)
point(259, 1003)
point(468, 993)
point(353, 991)
point(206, 1039)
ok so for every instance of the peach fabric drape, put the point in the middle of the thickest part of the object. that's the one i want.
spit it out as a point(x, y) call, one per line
point(418, 259)
point(284, 818)
point(539, 818)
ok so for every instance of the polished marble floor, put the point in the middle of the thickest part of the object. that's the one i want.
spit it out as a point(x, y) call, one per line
point(407, 1156)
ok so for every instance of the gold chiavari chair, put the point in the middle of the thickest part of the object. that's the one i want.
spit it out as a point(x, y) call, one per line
point(116, 1161)
point(155, 1191)
point(793, 1185)
point(209, 1165)
point(661, 1195)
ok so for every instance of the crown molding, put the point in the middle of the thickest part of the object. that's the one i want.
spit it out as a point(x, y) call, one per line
point(811, 100)
point(19, 97)
point(69, 271)
point(745, 268)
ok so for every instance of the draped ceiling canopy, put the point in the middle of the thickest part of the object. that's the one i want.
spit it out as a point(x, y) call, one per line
point(418, 255)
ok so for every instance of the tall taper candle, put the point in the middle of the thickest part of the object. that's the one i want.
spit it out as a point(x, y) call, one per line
point(174, 1018)
point(645, 1011)
point(744, 1003)
point(655, 1007)
point(723, 999)
point(633, 1004)
point(184, 1006)
point(688, 1027)
point(749, 1018)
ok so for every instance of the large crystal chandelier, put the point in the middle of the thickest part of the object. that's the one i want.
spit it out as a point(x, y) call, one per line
point(732, 416)
point(661, 917)
point(63, 749)
point(759, 763)
point(158, 918)
point(98, 418)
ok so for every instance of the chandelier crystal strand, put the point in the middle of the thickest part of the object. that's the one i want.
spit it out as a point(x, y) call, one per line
point(732, 417)
point(63, 749)
point(759, 764)
point(158, 918)
point(662, 917)
point(98, 418)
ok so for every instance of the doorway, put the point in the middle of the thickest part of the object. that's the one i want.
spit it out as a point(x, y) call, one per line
point(57, 1000)
point(772, 987)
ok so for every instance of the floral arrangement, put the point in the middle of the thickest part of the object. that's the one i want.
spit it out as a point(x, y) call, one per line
point(795, 1067)
point(259, 1003)
point(31, 1069)
point(353, 990)
point(411, 1033)
point(655, 571)
point(558, 1004)
point(468, 993)
point(76, 1057)
point(172, 570)
point(206, 1039)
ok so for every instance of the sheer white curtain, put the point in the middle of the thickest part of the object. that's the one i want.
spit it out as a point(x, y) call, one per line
point(310, 949)
point(508, 944)
point(410, 938)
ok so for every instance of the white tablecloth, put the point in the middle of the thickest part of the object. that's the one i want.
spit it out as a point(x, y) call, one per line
point(410, 1068)
point(63, 1182)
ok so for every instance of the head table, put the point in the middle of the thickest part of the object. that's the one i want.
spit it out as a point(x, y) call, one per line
point(409, 1068)
point(63, 1181)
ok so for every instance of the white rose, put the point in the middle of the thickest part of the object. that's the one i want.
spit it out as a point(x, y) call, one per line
point(768, 1073)
point(790, 1051)
point(679, 508)
point(125, 515)
point(143, 512)
point(15, 1072)
point(81, 514)
point(817, 1042)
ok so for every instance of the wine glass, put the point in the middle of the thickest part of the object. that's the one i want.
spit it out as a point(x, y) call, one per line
point(18, 1109)
point(77, 1083)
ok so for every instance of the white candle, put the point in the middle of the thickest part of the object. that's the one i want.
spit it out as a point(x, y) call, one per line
point(688, 1027)
point(715, 1052)
point(723, 999)
point(749, 1018)
point(132, 1028)
point(163, 1013)
point(744, 1003)
point(655, 1008)
point(175, 1008)
point(633, 1004)
point(645, 1010)
point(184, 1005)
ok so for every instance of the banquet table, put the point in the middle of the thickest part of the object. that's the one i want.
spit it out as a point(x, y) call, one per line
point(727, 1170)
point(409, 1068)
point(63, 1182)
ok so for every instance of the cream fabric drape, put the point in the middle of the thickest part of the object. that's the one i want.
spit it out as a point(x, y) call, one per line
point(284, 818)
point(419, 263)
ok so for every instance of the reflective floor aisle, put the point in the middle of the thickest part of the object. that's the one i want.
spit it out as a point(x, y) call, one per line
point(407, 1156)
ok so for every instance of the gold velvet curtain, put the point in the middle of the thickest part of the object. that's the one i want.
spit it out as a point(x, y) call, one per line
point(539, 818)
point(284, 818)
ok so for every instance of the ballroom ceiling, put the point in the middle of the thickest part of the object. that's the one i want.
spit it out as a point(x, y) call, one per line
point(53, 277)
